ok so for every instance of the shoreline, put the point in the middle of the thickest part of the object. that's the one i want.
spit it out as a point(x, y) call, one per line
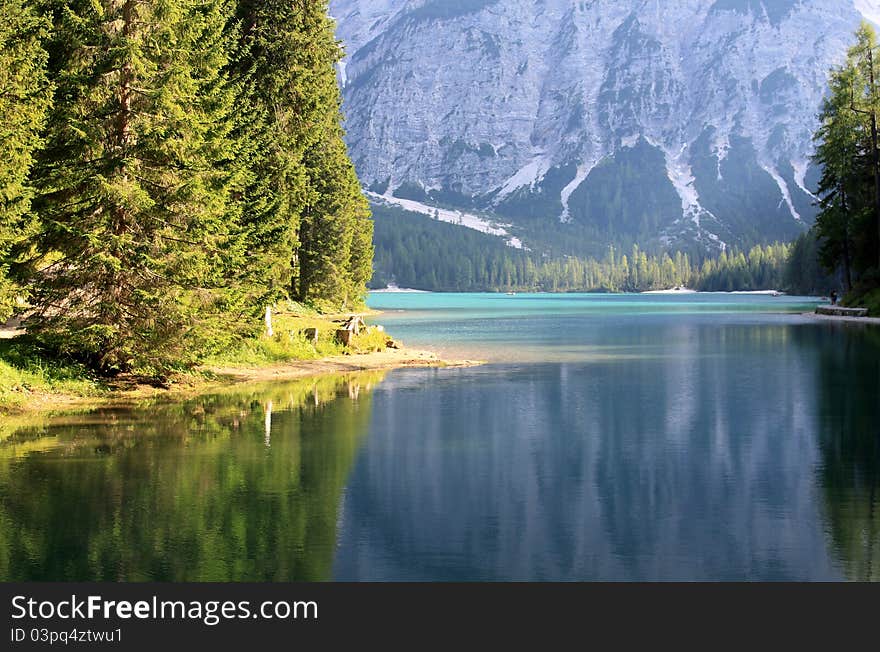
point(129, 391)
point(875, 321)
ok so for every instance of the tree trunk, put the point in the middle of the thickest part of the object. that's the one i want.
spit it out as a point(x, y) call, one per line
point(847, 259)
point(269, 330)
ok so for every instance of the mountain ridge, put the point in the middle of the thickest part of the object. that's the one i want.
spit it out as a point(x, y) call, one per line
point(550, 113)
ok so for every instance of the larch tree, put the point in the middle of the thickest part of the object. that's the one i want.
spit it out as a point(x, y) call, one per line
point(838, 145)
point(848, 151)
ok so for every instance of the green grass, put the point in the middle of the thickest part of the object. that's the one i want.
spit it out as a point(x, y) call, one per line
point(24, 372)
point(866, 295)
point(290, 344)
point(871, 301)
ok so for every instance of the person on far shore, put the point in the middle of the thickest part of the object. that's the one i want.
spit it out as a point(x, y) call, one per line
point(833, 297)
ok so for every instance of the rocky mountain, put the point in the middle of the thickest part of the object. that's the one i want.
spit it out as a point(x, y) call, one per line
point(676, 123)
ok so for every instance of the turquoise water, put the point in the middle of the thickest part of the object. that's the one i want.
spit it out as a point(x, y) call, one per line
point(569, 327)
point(708, 437)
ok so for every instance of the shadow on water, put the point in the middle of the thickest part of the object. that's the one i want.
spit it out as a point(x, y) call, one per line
point(240, 486)
point(849, 441)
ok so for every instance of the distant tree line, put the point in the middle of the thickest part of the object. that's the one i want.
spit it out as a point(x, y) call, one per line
point(420, 253)
point(169, 168)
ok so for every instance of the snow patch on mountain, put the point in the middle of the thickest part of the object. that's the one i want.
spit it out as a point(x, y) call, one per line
point(528, 176)
point(784, 189)
point(496, 101)
point(459, 218)
point(583, 171)
point(800, 168)
point(681, 175)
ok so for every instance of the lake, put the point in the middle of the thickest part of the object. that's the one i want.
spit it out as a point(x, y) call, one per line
point(700, 437)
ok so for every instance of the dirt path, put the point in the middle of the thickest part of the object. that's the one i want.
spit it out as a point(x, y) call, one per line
point(11, 329)
point(389, 359)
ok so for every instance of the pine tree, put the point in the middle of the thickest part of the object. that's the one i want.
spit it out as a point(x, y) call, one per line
point(865, 102)
point(134, 183)
point(25, 97)
point(335, 254)
point(307, 218)
point(334, 258)
point(274, 110)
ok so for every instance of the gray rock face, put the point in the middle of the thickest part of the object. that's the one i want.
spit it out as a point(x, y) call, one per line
point(667, 122)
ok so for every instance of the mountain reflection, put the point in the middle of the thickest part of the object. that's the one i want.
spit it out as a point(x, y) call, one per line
point(745, 450)
point(697, 460)
point(243, 486)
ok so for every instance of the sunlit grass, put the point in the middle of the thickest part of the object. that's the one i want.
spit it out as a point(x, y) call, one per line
point(26, 371)
point(23, 372)
point(290, 342)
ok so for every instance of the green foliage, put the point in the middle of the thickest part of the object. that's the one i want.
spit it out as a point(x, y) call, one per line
point(804, 273)
point(289, 343)
point(24, 98)
point(612, 211)
point(25, 369)
point(371, 340)
point(303, 201)
point(866, 295)
point(848, 149)
point(134, 185)
point(335, 255)
point(191, 171)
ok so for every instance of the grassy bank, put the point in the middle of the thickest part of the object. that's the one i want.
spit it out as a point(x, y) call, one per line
point(291, 344)
point(865, 296)
point(32, 380)
point(26, 375)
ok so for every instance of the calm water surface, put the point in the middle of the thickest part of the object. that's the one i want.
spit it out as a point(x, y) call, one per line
point(609, 438)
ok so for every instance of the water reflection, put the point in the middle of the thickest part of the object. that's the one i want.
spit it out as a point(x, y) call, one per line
point(662, 449)
point(849, 440)
point(697, 464)
point(232, 487)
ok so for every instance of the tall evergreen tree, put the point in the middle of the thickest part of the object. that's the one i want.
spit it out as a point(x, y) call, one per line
point(135, 181)
point(848, 151)
point(24, 99)
point(838, 146)
point(865, 96)
point(335, 254)
point(306, 212)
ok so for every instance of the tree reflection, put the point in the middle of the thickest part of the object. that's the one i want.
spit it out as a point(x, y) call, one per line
point(242, 486)
point(849, 440)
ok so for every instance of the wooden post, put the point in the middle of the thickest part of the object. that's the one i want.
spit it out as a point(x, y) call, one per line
point(269, 331)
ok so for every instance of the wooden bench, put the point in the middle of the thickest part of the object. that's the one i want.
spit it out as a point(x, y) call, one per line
point(839, 311)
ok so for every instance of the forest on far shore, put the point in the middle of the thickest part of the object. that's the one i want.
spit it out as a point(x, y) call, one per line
point(415, 251)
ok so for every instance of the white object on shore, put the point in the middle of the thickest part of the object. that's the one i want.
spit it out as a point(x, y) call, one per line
point(762, 293)
point(269, 330)
point(673, 291)
point(392, 288)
